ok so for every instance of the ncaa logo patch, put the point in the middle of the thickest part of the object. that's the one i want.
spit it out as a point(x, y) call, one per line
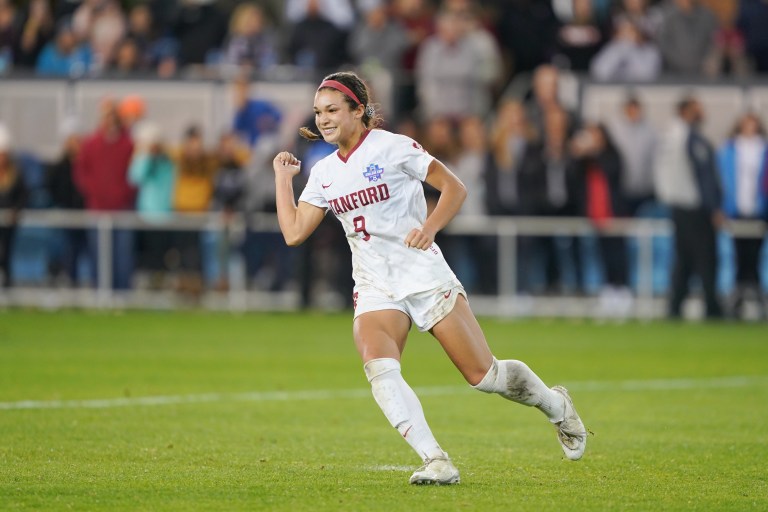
point(373, 172)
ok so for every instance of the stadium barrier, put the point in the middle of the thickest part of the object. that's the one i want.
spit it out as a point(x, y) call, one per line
point(506, 231)
point(35, 108)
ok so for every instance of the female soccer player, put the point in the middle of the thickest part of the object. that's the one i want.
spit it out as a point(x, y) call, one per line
point(373, 186)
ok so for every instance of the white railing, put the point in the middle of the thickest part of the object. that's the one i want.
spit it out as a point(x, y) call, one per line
point(505, 229)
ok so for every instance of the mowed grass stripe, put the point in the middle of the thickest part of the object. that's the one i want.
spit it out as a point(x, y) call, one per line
point(330, 394)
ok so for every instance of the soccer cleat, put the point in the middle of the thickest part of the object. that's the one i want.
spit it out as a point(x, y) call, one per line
point(437, 471)
point(570, 430)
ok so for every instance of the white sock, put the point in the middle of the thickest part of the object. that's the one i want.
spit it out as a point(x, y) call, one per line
point(515, 381)
point(401, 406)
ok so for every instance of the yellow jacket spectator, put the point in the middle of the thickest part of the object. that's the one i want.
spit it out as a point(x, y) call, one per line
point(196, 169)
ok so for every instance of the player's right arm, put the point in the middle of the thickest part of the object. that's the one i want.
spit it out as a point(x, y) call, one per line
point(296, 222)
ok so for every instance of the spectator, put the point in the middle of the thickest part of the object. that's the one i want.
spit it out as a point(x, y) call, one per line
point(13, 196)
point(9, 34)
point(728, 55)
point(253, 117)
point(516, 185)
point(647, 18)
point(315, 44)
point(196, 168)
point(635, 139)
point(65, 195)
point(377, 46)
point(101, 175)
point(64, 56)
point(469, 165)
point(37, 29)
point(141, 30)
point(553, 124)
point(153, 173)
point(199, 28)
point(229, 184)
point(516, 174)
point(455, 71)
point(488, 67)
point(257, 123)
point(743, 160)
point(156, 50)
point(126, 60)
point(416, 17)
point(229, 189)
point(526, 30)
point(580, 37)
point(250, 44)
point(594, 172)
point(63, 10)
point(628, 57)
point(751, 21)
point(163, 14)
point(440, 139)
point(380, 41)
point(102, 24)
point(468, 252)
point(338, 12)
point(686, 36)
point(686, 180)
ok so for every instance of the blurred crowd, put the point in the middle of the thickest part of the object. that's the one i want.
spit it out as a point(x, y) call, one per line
point(477, 82)
point(415, 41)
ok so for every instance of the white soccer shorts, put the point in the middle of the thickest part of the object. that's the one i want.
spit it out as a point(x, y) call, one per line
point(424, 308)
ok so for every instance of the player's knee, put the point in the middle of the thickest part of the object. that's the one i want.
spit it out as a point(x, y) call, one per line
point(377, 367)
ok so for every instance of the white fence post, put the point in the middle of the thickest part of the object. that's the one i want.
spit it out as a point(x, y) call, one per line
point(104, 257)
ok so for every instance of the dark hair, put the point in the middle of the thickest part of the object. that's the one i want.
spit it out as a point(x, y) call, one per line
point(193, 131)
point(737, 125)
point(685, 102)
point(370, 118)
point(632, 101)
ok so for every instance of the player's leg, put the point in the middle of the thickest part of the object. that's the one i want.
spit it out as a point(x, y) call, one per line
point(380, 338)
point(463, 340)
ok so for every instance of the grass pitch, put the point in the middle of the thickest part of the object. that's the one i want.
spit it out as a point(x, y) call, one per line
point(202, 411)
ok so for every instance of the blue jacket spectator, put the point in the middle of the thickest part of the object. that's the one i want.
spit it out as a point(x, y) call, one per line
point(253, 118)
point(64, 56)
point(743, 163)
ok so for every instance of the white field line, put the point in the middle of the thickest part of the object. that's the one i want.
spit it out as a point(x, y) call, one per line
point(333, 394)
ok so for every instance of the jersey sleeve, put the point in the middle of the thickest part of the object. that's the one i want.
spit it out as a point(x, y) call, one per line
point(413, 159)
point(312, 192)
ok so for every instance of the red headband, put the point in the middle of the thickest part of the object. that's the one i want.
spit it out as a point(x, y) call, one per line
point(333, 84)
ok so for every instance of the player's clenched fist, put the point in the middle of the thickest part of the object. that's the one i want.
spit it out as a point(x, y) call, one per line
point(286, 163)
point(419, 238)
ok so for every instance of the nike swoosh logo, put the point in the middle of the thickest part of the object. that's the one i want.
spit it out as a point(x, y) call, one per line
point(326, 186)
point(447, 294)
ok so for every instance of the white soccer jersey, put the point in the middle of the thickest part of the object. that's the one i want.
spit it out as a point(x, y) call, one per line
point(376, 193)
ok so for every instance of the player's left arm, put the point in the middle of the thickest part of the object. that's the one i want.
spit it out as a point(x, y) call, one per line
point(452, 195)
